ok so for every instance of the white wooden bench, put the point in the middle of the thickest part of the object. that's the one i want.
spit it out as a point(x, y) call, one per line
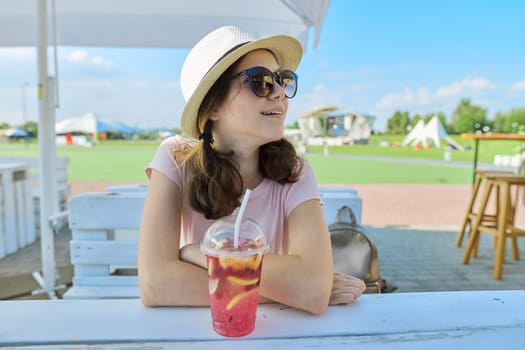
point(63, 187)
point(105, 233)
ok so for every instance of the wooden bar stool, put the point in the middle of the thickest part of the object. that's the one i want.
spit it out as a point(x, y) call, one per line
point(487, 219)
point(505, 227)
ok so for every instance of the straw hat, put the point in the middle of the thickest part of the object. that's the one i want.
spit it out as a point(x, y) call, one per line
point(217, 51)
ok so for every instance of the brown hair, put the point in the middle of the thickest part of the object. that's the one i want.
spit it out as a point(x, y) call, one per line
point(215, 186)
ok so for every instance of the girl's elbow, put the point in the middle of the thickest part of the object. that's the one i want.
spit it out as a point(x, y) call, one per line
point(146, 300)
point(318, 302)
point(147, 296)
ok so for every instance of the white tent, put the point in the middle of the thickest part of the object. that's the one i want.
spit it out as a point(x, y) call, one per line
point(415, 135)
point(86, 124)
point(91, 124)
point(129, 23)
point(432, 131)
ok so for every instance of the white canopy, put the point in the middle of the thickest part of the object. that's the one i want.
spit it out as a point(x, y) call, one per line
point(432, 131)
point(130, 23)
point(156, 23)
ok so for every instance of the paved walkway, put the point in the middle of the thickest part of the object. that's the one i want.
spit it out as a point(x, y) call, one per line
point(415, 259)
point(419, 260)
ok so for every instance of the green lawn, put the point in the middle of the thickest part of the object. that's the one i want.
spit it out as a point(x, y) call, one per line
point(487, 149)
point(345, 170)
point(125, 161)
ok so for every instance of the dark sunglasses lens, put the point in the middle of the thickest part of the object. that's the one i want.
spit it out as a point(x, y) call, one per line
point(261, 82)
point(289, 83)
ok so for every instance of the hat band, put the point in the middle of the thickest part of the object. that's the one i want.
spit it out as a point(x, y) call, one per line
point(227, 53)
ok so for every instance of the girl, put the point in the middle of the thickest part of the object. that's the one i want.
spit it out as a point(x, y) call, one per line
point(237, 90)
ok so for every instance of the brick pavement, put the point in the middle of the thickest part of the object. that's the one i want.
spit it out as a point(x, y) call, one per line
point(418, 260)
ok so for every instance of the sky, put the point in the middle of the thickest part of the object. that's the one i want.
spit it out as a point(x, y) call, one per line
point(374, 57)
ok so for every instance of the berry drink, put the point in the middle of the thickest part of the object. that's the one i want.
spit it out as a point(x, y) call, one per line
point(234, 276)
point(234, 293)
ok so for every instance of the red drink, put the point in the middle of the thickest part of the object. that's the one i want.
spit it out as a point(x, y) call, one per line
point(234, 275)
point(234, 293)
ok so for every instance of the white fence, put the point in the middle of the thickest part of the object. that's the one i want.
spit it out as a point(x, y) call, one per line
point(33, 175)
point(17, 228)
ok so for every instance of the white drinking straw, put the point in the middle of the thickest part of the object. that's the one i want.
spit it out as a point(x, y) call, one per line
point(239, 218)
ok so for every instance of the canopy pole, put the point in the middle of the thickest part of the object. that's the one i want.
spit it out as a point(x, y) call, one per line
point(47, 155)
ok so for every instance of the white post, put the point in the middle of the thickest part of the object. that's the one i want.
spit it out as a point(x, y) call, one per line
point(45, 139)
point(53, 188)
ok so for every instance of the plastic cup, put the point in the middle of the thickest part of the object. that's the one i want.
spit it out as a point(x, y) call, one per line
point(234, 275)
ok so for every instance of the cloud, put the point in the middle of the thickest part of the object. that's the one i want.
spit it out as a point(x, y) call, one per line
point(81, 57)
point(519, 85)
point(419, 97)
point(463, 87)
point(319, 88)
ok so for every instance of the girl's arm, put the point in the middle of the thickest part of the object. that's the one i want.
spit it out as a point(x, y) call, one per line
point(164, 279)
point(302, 279)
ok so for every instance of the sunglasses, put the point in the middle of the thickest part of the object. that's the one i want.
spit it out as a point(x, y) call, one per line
point(262, 81)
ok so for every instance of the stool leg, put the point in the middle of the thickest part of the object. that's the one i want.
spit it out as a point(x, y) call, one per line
point(474, 231)
point(515, 249)
point(497, 210)
point(510, 222)
point(499, 256)
point(467, 221)
point(474, 253)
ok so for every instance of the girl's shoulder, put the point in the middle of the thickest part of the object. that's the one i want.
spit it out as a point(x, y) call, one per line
point(178, 142)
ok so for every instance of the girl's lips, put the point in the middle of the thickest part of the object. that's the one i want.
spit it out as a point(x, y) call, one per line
point(272, 113)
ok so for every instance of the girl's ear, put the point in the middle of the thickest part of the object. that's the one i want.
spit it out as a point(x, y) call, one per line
point(214, 115)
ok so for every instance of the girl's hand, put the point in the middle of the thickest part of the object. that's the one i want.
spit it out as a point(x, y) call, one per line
point(345, 289)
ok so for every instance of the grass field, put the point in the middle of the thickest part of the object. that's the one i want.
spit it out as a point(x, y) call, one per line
point(125, 161)
point(344, 170)
point(487, 150)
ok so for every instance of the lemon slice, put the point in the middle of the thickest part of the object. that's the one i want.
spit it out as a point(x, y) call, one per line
point(210, 267)
point(243, 296)
point(256, 261)
point(242, 281)
point(240, 263)
point(235, 300)
point(212, 285)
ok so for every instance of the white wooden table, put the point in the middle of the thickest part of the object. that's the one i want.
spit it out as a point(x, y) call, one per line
point(437, 320)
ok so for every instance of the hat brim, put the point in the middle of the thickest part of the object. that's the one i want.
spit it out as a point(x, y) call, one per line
point(287, 49)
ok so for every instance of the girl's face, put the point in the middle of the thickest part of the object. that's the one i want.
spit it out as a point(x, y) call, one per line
point(245, 119)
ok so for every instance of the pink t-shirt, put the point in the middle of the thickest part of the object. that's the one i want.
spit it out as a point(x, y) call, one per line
point(269, 205)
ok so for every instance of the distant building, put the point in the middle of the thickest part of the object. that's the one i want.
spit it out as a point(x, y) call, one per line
point(336, 127)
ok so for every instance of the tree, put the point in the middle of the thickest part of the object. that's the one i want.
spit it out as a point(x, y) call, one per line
point(398, 123)
point(415, 119)
point(498, 122)
point(5, 126)
point(515, 120)
point(468, 117)
point(295, 125)
point(31, 128)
